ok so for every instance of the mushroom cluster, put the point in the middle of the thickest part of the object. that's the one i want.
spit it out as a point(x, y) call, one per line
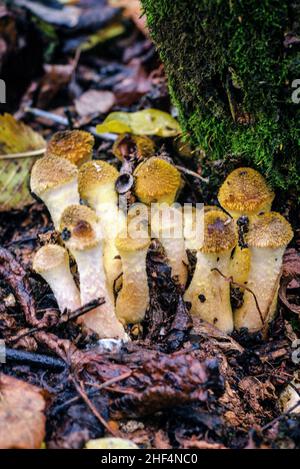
point(243, 241)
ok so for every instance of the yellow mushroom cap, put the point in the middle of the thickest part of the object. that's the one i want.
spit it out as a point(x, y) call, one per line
point(141, 145)
point(95, 174)
point(219, 232)
point(49, 257)
point(126, 243)
point(50, 173)
point(245, 191)
point(269, 230)
point(157, 181)
point(82, 226)
point(73, 145)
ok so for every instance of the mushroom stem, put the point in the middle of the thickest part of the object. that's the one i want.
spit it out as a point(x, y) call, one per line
point(52, 263)
point(58, 199)
point(209, 292)
point(263, 281)
point(93, 285)
point(167, 226)
point(133, 299)
point(85, 244)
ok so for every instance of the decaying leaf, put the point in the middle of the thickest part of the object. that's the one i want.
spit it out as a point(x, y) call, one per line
point(290, 272)
point(132, 9)
point(94, 102)
point(22, 419)
point(19, 145)
point(146, 122)
point(104, 34)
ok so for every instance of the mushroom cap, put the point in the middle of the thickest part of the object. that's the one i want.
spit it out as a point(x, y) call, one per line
point(95, 174)
point(126, 243)
point(50, 173)
point(73, 145)
point(269, 230)
point(219, 232)
point(157, 181)
point(140, 145)
point(246, 191)
point(82, 228)
point(49, 257)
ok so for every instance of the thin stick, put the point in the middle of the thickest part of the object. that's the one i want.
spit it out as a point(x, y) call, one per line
point(25, 154)
point(63, 319)
point(44, 361)
point(83, 394)
point(192, 173)
point(111, 381)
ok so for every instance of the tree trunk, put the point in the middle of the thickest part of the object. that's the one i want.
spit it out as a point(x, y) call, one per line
point(231, 65)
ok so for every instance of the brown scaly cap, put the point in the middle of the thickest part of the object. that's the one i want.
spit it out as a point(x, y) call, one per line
point(94, 174)
point(245, 191)
point(219, 232)
point(49, 257)
point(157, 181)
point(73, 145)
point(80, 227)
point(50, 173)
point(269, 230)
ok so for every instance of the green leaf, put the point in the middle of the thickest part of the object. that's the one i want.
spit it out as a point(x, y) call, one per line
point(146, 122)
point(18, 146)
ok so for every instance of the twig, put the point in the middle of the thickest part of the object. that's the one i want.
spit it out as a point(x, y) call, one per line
point(94, 391)
point(43, 361)
point(84, 396)
point(192, 173)
point(25, 154)
point(284, 414)
point(107, 383)
point(240, 285)
point(63, 319)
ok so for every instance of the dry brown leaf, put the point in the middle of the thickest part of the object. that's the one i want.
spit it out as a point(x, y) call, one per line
point(290, 273)
point(94, 102)
point(22, 421)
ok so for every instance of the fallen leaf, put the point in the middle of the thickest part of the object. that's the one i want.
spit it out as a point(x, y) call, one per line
point(146, 122)
point(22, 419)
point(19, 145)
point(290, 272)
point(94, 102)
point(104, 34)
point(55, 78)
point(134, 85)
point(110, 443)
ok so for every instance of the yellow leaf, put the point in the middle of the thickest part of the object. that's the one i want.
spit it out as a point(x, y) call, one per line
point(19, 145)
point(146, 122)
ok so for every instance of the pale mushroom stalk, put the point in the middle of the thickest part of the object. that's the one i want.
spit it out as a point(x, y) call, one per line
point(52, 263)
point(209, 292)
point(159, 182)
point(54, 181)
point(133, 299)
point(85, 244)
point(97, 186)
point(167, 226)
point(244, 193)
point(267, 239)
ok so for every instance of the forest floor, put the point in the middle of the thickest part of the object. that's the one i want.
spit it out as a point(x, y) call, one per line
point(180, 383)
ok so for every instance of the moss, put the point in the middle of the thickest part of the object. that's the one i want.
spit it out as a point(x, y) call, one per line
point(230, 69)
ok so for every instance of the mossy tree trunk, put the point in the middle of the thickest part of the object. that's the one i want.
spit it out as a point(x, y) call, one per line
point(230, 65)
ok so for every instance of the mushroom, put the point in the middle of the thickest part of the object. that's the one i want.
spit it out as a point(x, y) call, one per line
point(73, 145)
point(97, 187)
point(54, 181)
point(244, 193)
point(269, 234)
point(83, 238)
point(209, 292)
point(193, 218)
point(133, 299)
point(158, 182)
point(52, 263)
